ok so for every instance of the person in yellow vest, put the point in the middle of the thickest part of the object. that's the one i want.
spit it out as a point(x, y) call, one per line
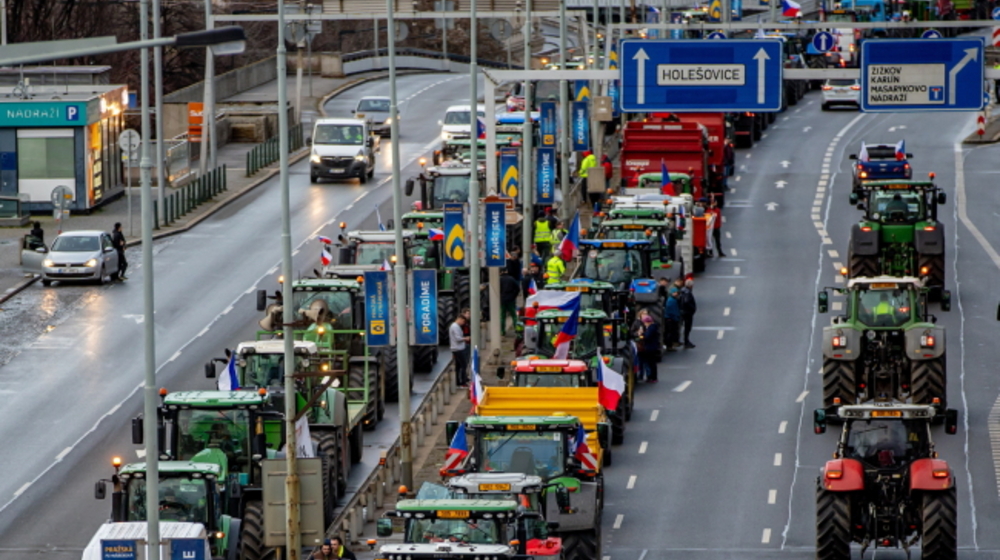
point(543, 233)
point(589, 160)
point(555, 269)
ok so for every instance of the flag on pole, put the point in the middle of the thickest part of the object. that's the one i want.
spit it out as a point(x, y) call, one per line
point(901, 150)
point(570, 244)
point(791, 8)
point(385, 265)
point(863, 154)
point(610, 385)
point(437, 234)
point(480, 129)
point(229, 381)
point(581, 451)
point(381, 226)
point(324, 240)
point(666, 185)
point(457, 450)
point(325, 257)
point(476, 387)
point(567, 334)
point(532, 287)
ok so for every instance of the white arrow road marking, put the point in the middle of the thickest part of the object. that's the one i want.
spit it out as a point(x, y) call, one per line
point(970, 55)
point(641, 57)
point(780, 184)
point(785, 163)
point(771, 206)
point(806, 129)
point(761, 58)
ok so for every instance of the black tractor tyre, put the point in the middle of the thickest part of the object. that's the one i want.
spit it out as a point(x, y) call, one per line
point(928, 379)
point(745, 141)
point(608, 457)
point(833, 525)
point(617, 426)
point(581, 545)
point(327, 451)
point(935, 275)
point(355, 380)
point(462, 297)
point(939, 539)
point(839, 380)
point(424, 358)
point(447, 311)
point(356, 443)
point(862, 265)
point(252, 534)
point(390, 365)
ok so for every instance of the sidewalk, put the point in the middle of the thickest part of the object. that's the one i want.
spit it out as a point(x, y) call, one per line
point(12, 280)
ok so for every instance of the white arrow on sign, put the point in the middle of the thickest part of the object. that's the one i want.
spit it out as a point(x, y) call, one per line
point(970, 55)
point(807, 129)
point(780, 184)
point(771, 206)
point(761, 58)
point(641, 57)
point(786, 163)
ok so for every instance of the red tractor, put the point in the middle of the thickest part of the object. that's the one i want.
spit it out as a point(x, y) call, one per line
point(885, 487)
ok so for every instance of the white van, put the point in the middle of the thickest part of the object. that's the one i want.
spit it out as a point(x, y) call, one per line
point(456, 121)
point(342, 149)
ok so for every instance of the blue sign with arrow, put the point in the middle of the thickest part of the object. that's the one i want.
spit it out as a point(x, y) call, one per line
point(824, 41)
point(922, 75)
point(701, 76)
point(716, 35)
point(996, 13)
point(931, 34)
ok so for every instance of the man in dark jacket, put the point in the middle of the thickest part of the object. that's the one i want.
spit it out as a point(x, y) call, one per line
point(688, 307)
point(671, 321)
point(509, 290)
point(118, 241)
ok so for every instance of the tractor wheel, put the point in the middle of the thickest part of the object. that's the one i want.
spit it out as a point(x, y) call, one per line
point(618, 425)
point(862, 266)
point(745, 141)
point(356, 442)
point(356, 380)
point(833, 525)
point(461, 283)
point(581, 545)
point(391, 367)
point(935, 275)
point(628, 396)
point(252, 534)
point(839, 381)
point(929, 380)
point(424, 358)
point(447, 311)
point(606, 461)
point(938, 540)
point(326, 450)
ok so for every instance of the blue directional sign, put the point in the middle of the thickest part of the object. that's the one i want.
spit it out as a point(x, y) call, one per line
point(716, 35)
point(996, 13)
point(701, 76)
point(824, 41)
point(922, 75)
point(931, 34)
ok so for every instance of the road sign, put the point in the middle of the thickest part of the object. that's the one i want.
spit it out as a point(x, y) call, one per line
point(699, 76)
point(501, 30)
point(824, 41)
point(922, 75)
point(402, 30)
point(996, 13)
point(716, 35)
point(931, 34)
point(128, 142)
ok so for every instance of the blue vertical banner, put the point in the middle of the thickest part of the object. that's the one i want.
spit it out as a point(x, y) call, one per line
point(424, 298)
point(546, 180)
point(581, 90)
point(613, 90)
point(378, 308)
point(119, 550)
point(454, 235)
point(188, 549)
point(496, 234)
point(548, 124)
point(737, 7)
point(510, 173)
point(581, 126)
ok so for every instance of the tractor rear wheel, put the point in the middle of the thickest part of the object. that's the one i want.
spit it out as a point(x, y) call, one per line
point(618, 424)
point(862, 266)
point(356, 442)
point(462, 297)
point(252, 534)
point(447, 311)
point(833, 525)
point(939, 541)
point(929, 380)
point(839, 381)
point(356, 380)
point(581, 545)
point(390, 365)
point(326, 450)
point(935, 273)
point(424, 358)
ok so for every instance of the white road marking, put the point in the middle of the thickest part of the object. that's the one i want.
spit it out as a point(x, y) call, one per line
point(680, 388)
point(295, 252)
point(619, 518)
point(766, 537)
point(725, 312)
point(176, 355)
point(737, 178)
point(642, 447)
point(772, 496)
point(736, 271)
point(721, 334)
point(204, 331)
point(631, 479)
point(833, 254)
point(838, 279)
point(821, 189)
point(777, 459)
point(748, 154)
point(733, 251)
point(763, 136)
point(711, 360)
point(827, 241)
point(114, 409)
point(802, 396)
point(963, 213)
point(63, 454)
point(732, 290)
point(274, 269)
point(729, 235)
point(782, 426)
point(25, 486)
point(816, 220)
point(654, 415)
point(253, 288)
point(837, 266)
point(227, 310)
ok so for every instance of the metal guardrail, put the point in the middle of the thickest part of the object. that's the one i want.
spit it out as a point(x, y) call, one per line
point(190, 196)
point(424, 53)
point(268, 151)
point(370, 497)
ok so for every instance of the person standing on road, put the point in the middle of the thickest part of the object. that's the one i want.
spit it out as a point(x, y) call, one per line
point(118, 240)
point(38, 232)
point(543, 232)
point(555, 269)
point(688, 307)
point(514, 264)
point(459, 344)
point(509, 290)
point(671, 321)
point(716, 226)
point(649, 347)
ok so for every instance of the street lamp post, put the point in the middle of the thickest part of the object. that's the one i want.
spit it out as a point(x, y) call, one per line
point(161, 158)
point(564, 135)
point(473, 251)
point(527, 189)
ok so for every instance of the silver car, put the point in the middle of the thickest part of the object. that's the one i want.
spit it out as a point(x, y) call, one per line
point(375, 110)
point(74, 255)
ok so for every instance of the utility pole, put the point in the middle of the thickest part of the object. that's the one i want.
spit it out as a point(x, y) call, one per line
point(473, 251)
point(399, 269)
point(3, 23)
point(149, 331)
point(293, 539)
point(527, 189)
point(299, 63)
point(564, 135)
point(161, 154)
point(207, 160)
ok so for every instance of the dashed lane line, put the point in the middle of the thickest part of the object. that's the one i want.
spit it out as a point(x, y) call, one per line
point(766, 537)
point(736, 271)
point(772, 497)
point(777, 459)
point(618, 521)
point(726, 311)
point(642, 447)
point(711, 360)
point(680, 388)
point(732, 290)
point(720, 335)
point(654, 415)
point(62, 455)
point(631, 482)
point(782, 426)
point(802, 396)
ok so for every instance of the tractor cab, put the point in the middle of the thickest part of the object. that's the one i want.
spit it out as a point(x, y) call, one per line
point(660, 234)
point(362, 251)
point(459, 522)
point(444, 184)
point(261, 364)
point(618, 263)
point(883, 302)
point(540, 338)
point(653, 182)
point(594, 294)
point(910, 203)
point(541, 372)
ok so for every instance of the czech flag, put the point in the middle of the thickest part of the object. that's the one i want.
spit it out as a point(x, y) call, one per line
point(610, 385)
point(567, 334)
point(554, 299)
point(385, 265)
point(229, 381)
point(457, 450)
point(581, 451)
point(863, 154)
point(666, 185)
point(901, 150)
point(791, 8)
point(570, 245)
point(532, 287)
point(480, 128)
point(476, 387)
point(325, 257)
point(324, 240)
point(436, 234)
point(381, 226)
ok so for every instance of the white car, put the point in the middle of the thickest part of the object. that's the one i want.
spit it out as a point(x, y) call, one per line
point(841, 92)
point(74, 255)
point(457, 120)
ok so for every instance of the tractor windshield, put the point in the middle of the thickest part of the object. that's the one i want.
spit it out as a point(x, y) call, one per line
point(612, 265)
point(225, 429)
point(883, 307)
point(264, 370)
point(534, 453)
point(181, 499)
point(658, 241)
point(424, 253)
point(896, 207)
point(887, 443)
point(583, 345)
point(375, 253)
point(450, 188)
point(548, 380)
point(339, 303)
point(472, 531)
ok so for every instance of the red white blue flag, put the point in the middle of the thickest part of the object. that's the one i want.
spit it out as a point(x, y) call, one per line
point(567, 334)
point(457, 450)
point(791, 8)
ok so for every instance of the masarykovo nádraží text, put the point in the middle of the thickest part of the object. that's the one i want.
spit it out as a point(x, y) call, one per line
point(700, 74)
point(905, 84)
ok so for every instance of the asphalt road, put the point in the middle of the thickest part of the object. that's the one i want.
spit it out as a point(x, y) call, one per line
point(720, 460)
point(69, 393)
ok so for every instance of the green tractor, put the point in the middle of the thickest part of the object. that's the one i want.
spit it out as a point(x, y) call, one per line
point(900, 234)
point(330, 313)
point(190, 491)
point(662, 236)
point(666, 220)
point(626, 265)
point(885, 346)
point(444, 184)
point(594, 294)
point(542, 446)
